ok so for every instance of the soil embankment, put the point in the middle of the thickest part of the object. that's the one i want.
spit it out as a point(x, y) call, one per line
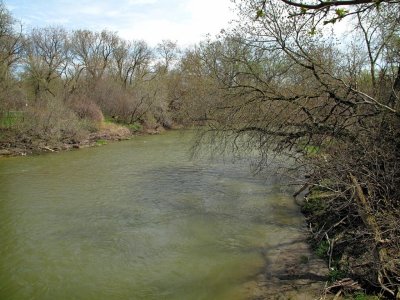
point(12, 145)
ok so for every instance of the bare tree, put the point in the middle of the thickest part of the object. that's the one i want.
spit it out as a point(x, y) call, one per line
point(286, 89)
point(47, 58)
point(331, 11)
point(11, 51)
point(94, 51)
point(378, 28)
point(10, 41)
point(168, 52)
point(131, 59)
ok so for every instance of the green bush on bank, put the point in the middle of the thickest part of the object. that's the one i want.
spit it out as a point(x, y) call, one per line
point(135, 127)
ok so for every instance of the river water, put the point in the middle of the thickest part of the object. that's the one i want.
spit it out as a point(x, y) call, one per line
point(136, 220)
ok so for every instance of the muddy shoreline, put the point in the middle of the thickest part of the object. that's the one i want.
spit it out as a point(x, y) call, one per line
point(28, 146)
point(291, 271)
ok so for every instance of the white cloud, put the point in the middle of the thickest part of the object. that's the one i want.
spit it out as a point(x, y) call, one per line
point(185, 21)
point(188, 22)
point(136, 2)
point(153, 31)
point(208, 16)
point(209, 11)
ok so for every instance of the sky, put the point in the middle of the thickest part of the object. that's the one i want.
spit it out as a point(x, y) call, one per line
point(184, 21)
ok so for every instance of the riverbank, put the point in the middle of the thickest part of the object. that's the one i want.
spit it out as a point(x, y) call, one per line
point(292, 271)
point(18, 145)
point(339, 239)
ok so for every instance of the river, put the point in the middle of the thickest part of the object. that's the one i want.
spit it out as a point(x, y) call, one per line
point(137, 220)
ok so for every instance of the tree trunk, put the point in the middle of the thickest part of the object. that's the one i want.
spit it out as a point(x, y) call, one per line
point(395, 89)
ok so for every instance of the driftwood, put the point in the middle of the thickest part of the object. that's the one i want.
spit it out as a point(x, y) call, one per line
point(347, 285)
point(303, 188)
point(48, 149)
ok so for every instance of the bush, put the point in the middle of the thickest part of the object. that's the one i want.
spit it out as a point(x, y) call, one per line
point(52, 123)
point(86, 108)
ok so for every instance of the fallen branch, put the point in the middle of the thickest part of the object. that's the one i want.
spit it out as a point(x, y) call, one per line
point(303, 188)
point(366, 213)
point(48, 149)
point(345, 284)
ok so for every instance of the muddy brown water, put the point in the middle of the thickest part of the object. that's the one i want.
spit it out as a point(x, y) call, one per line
point(140, 220)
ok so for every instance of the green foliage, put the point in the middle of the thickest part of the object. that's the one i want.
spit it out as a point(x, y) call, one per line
point(341, 12)
point(362, 296)
point(312, 206)
point(303, 10)
point(336, 274)
point(260, 14)
point(135, 127)
point(109, 120)
point(311, 150)
point(101, 142)
point(322, 249)
point(10, 119)
point(308, 149)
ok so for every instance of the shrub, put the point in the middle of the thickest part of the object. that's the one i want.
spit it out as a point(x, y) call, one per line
point(51, 123)
point(86, 109)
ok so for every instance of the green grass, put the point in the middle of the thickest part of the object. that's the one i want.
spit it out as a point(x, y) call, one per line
point(362, 296)
point(101, 142)
point(311, 150)
point(109, 120)
point(9, 119)
point(134, 127)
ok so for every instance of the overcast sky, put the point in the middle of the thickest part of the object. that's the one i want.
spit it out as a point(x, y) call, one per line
point(184, 21)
